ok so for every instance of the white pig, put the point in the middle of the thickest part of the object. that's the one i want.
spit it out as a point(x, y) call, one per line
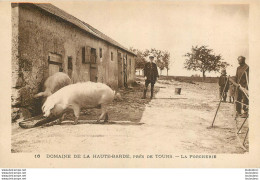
point(76, 96)
point(53, 84)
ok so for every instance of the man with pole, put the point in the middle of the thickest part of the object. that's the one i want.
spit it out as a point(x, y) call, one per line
point(221, 95)
point(223, 85)
point(242, 78)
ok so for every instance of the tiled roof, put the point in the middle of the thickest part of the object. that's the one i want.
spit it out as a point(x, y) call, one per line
point(82, 25)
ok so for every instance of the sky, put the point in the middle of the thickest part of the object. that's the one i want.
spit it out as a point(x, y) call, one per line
point(171, 26)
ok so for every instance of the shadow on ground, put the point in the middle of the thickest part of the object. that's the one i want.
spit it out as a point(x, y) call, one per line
point(101, 122)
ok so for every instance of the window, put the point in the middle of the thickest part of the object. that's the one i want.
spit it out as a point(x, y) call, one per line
point(70, 66)
point(83, 55)
point(111, 56)
point(55, 63)
point(89, 55)
point(69, 63)
point(130, 64)
point(125, 60)
point(119, 57)
point(93, 56)
point(100, 52)
point(55, 58)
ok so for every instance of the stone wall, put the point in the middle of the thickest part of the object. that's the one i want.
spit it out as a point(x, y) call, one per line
point(35, 35)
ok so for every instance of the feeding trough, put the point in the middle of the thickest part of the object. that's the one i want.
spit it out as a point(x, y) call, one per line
point(178, 91)
point(36, 121)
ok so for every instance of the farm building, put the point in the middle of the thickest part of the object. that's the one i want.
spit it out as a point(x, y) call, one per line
point(45, 40)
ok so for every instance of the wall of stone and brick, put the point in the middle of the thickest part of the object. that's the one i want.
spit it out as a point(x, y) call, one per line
point(36, 34)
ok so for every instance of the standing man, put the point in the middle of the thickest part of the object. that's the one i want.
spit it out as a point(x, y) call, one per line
point(150, 74)
point(242, 78)
point(223, 85)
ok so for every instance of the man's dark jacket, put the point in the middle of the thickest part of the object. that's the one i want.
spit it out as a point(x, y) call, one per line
point(223, 82)
point(242, 75)
point(151, 71)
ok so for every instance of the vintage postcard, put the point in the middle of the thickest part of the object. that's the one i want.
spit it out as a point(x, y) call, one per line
point(130, 84)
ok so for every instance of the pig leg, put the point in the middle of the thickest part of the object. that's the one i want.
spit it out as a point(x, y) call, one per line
point(76, 110)
point(106, 117)
point(104, 113)
point(44, 94)
point(39, 95)
point(61, 119)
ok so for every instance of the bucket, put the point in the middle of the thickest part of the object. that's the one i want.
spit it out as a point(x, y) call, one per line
point(178, 91)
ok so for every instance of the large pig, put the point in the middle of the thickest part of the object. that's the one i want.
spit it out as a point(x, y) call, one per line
point(53, 84)
point(76, 96)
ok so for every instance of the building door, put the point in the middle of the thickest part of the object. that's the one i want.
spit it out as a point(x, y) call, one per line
point(70, 66)
point(53, 68)
point(93, 65)
point(125, 70)
point(93, 73)
point(55, 63)
point(120, 70)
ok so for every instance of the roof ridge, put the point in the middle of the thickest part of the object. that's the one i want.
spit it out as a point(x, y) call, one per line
point(79, 23)
point(91, 27)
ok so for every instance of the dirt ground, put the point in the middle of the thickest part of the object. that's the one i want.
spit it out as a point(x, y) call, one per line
point(168, 123)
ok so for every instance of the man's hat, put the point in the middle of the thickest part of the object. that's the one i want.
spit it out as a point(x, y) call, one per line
point(223, 71)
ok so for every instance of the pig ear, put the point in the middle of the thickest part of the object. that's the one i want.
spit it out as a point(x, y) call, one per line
point(43, 107)
point(52, 108)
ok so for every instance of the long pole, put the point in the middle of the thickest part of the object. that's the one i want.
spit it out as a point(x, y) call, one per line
point(245, 137)
point(220, 102)
point(242, 103)
point(242, 125)
point(247, 80)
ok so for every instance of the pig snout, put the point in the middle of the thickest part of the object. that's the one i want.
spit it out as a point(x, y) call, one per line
point(46, 114)
point(56, 111)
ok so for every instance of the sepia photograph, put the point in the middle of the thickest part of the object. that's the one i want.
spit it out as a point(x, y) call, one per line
point(131, 81)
